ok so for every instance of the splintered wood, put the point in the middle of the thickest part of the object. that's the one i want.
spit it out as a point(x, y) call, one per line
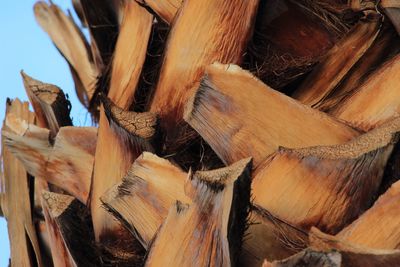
point(225, 133)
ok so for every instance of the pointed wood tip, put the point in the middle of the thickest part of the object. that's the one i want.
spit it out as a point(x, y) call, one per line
point(56, 203)
point(224, 175)
point(375, 139)
point(143, 125)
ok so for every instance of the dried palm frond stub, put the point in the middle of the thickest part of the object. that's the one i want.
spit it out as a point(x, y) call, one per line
point(72, 44)
point(16, 202)
point(378, 227)
point(69, 218)
point(207, 232)
point(268, 237)
point(68, 163)
point(202, 33)
point(147, 190)
point(254, 122)
point(51, 106)
point(351, 173)
point(142, 200)
point(384, 47)
point(376, 101)
point(333, 258)
point(113, 151)
point(326, 250)
point(338, 61)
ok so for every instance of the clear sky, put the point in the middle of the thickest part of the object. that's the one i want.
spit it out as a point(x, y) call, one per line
point(24, 46)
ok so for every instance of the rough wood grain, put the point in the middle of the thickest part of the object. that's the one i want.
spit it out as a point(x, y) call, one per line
point(51, 106)
point(16, 203)
point(339, 60)
point(203, 32)
point(165, 9)
point(113, 155)
point(386, 45)
point(142, 200)
point(239, 116)
point(67, 164)
point(376, 101)
point(70, 220)
point(378, 227)
point(72, 44)
point(207, 232)
point(325, 186)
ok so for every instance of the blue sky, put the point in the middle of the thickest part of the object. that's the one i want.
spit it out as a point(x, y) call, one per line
point(24, 46)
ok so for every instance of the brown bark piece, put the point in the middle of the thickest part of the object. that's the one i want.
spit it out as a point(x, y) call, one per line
point(15, 202)
point(202, 33)
point(142, 200)
point(376, 101)
point(239, 116)
point(166, 9)
point(207, 232)
point(325, 186)
point(67, 164)
point(339, 60)
point(378, 227)
point(69, 219)
point(113, 152)
point(73, 46)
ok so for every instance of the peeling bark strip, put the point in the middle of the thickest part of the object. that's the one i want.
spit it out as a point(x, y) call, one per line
point(325, 186)
point(209, 231)
point(72, 44)
point(376, 101)
point(378, 227)
point(166, 9)
point(337, 63)
point(16, 203)
point(203, 32)
point(70, 220)
point(112, 159)
point(66, 164)
point(142, 200)
point(239, 116)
